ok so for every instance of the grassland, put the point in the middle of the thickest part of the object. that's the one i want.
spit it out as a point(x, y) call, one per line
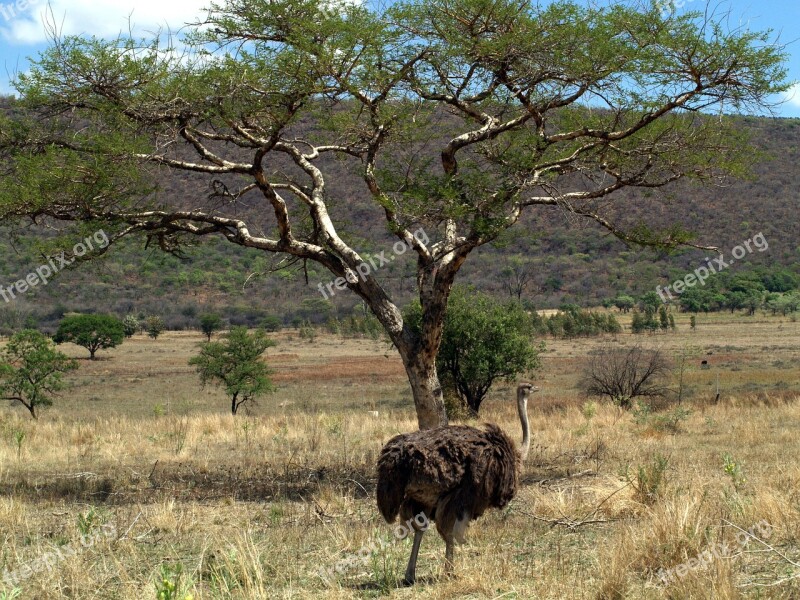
point(153, 473)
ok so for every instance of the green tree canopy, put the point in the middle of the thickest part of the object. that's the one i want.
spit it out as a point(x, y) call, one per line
point(455, 116)
point(93, 332)
point(154, 326)
point(210, 323)
point(130, 325)
point(483, 341)
point(31, 370)
point(234, 363)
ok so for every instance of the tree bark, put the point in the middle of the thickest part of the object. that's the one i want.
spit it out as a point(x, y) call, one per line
point(418, 353)
point(427, 391)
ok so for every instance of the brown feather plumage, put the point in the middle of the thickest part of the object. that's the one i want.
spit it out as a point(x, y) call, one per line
point(452, 474)
point(447, 472)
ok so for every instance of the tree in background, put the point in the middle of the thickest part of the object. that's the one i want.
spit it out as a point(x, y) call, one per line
point(483, 341)
point(624, 302)
point(31, 370)
point(517, 276)
point(663, 318)
point(210, 323)
point(624, 374)
point(93, 332)
point(234, 363)
point(459, 118)
point(271, 323)
point(131, 325)
point(154, 325)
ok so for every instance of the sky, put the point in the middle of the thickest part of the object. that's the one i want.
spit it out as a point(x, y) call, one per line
point(23, 33)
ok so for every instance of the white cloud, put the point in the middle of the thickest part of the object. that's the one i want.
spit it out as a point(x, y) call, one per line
point(23, 21)
point(792, 96)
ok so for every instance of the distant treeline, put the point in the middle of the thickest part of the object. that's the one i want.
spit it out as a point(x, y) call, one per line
point(572, 321)
point(775, 290)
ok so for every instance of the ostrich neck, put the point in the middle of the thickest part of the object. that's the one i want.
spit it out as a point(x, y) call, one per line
point(522, 406)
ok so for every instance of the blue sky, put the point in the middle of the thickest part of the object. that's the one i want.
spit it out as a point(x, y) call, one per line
point(22, 26)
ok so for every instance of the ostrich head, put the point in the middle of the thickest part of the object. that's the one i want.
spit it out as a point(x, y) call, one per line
point(523, 393)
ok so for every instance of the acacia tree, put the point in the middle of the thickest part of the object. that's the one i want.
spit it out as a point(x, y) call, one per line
point(93, 332)
point(457, 116)
point(209, 323)
point(31, 370)
point(234, 364)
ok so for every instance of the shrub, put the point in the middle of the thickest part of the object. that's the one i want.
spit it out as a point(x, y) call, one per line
point(624, 374)
point(154, 326)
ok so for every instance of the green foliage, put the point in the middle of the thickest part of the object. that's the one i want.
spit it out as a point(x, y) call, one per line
point(154, 325)
point(233, 363)
point(482, 341)
point(271, 323)
point(31, 370)
point(18, 435)
point(93, 332)
point(663, 318)
point(624, 302)
point(391, 69)
point(210, 323)
point(90, 521)
point(307, 332)
point(662, 422)
point(130, 325)
point(571, 321)
point(356, 326)
point(733, 469)
point(170, 584)
point(649, 480)
point(644, 322)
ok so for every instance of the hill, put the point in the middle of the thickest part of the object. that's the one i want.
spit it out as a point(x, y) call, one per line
point(568, 259)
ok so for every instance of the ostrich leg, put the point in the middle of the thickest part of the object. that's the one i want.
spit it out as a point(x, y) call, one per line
point(457, 534)
point(448, 557)
point(411, 570)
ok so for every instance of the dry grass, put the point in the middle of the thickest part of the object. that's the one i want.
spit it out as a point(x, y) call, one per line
point(254, 506)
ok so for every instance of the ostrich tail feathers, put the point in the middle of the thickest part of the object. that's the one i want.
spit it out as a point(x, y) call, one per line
point(393, 476)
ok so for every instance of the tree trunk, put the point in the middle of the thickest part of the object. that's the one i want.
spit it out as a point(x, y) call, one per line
point(427, 391)
point(234, 406)
point(419, 358)
point(91, 353)
point(32, 410)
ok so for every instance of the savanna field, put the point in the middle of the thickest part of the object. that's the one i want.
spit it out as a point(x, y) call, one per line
point(137, 482)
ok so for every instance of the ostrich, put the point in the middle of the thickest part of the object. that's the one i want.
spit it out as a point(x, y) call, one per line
point(452, 474)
